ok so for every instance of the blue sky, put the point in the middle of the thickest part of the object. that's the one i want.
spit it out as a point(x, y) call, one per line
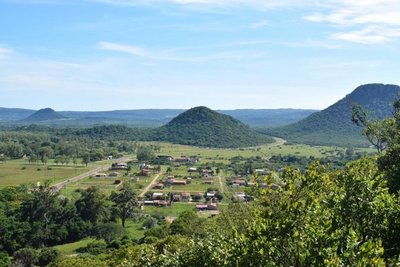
point(225, 54)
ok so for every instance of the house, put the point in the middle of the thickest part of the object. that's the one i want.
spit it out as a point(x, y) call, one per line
point(158, 186)
point(210, 194)
point(192, 169)
point(148, 202)
point(240, 182)
point(261, 171)
point(176, 182)
point(114, 174)
point(209, 206)
point(119, 166)
point(145, 172)
point(192, 159)
point(101, 175)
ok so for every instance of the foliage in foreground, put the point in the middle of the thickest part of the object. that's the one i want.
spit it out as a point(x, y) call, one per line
point(318, 218)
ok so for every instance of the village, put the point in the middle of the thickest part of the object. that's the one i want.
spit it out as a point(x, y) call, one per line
point(167, 181)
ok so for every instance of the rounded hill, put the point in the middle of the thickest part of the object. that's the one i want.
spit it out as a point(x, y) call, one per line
point(46, 114)
point(201, 126)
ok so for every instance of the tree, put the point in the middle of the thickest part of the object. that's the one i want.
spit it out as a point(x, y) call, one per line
point(92, 205)
point(125, 201)
point(145, 153)
point(25, 257)
point(384, 135)
point(86, 159)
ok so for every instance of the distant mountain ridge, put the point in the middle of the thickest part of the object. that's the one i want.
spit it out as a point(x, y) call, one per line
point(46, 114)
point(156, 117)
point(201, 126)
point(333, 125)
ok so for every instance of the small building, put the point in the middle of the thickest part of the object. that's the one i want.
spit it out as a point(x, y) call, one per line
point(210, 194)
point(192, 169)
point(209, 206)
point(119, 166)
point(240, 182)
point(145, 172)
point(148, 202)
point(176, 182)
point(101, 175)
point(261, 171)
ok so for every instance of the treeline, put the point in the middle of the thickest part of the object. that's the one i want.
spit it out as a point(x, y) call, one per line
point(41, 143)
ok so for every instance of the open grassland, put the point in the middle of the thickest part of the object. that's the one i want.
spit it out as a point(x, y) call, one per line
point(16, 172)
point(267, 150)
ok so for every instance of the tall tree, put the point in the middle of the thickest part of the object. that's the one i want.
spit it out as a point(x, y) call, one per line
point(92, 205)
point(125, 201)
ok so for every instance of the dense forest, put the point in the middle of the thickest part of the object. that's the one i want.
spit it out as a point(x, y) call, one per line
point(201, 126)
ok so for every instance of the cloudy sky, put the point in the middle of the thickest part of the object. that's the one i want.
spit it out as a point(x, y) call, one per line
point(225, 54)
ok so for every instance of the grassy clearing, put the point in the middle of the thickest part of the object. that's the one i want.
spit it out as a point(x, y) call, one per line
point(69, 249)
point(134, 229)
point(173, 211)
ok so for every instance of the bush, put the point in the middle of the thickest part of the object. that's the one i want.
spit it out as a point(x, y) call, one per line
point(47, 255)
point(94, 248)
point(109, 231)
point(26, 257)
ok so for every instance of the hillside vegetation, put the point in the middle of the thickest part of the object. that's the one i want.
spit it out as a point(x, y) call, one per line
point(201, 126)
point(333, 126)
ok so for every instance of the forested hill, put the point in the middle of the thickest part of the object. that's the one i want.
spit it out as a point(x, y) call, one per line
point(202, 126)
point(46, 114)
point(333, 126)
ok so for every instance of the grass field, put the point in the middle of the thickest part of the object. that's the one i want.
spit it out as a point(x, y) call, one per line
point(268, 150)
point(69, 249)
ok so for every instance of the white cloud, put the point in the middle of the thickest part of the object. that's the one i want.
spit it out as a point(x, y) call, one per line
point(368, 35)
point(260, 24)
point(362, 21)
point(167, 55)
point(5, 52)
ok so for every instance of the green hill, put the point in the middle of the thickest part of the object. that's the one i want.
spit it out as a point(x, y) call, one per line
point(46, 114)
point(333, 126)
point(202, 126)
